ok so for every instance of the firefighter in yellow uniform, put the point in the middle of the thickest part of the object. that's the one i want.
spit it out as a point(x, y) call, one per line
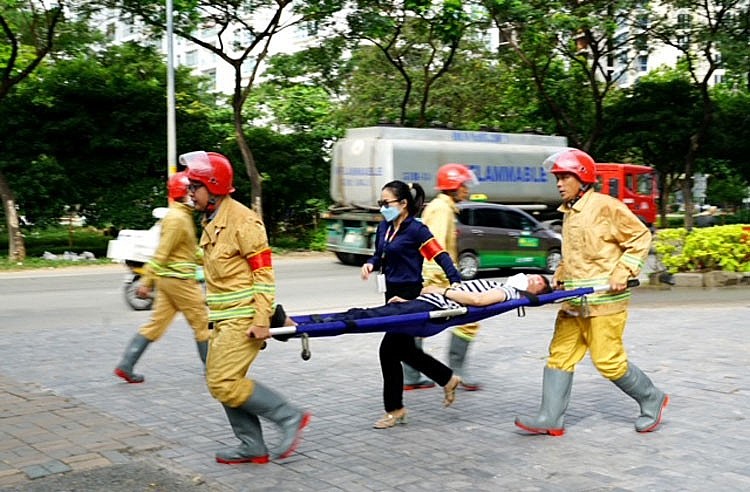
point(453, 183)
point(173, 270)
point(240, 287)
point(603, 243)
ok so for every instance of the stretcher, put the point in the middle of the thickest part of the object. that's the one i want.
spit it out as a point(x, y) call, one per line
point(424, 324)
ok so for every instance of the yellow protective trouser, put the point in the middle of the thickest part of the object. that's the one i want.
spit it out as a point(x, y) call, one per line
point(230, 353)
point(601, 335)
point(467, 332)
point(173, 295)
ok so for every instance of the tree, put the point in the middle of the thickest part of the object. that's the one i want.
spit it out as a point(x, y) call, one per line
point(417, 38)
point(239, 33)
point(569, 50)
point(30, 32)
point(89, 131)
point(729, 139)
point(700, 31)
point(650, 123)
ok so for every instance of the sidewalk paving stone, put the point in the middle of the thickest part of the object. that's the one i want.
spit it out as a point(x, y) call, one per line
point(67, 424)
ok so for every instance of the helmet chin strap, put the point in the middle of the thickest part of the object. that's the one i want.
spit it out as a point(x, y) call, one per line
point(211, 206)
point(584, 188)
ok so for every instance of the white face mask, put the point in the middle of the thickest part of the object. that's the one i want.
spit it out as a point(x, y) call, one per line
point(518, 281)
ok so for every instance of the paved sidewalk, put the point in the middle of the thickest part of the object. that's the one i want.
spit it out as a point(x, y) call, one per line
point(67, 424)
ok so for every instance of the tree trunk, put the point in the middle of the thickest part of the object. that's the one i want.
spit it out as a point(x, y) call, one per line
point(16, 246)
point(247, 157)
point(687, 194)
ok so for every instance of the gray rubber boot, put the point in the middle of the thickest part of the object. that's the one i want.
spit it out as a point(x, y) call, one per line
point(202, 350)
point(652, 400)
point(414, 379)
point(247, 429)
point(270, 405)
point(555, 397)
point(132, 353)
point(457, 361)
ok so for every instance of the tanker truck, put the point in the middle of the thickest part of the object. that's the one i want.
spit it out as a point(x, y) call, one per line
point(509, 168)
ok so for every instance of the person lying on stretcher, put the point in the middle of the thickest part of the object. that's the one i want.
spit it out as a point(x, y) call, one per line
point(469, 293)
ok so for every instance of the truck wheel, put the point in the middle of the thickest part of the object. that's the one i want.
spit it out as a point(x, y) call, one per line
point(135, 302)
point(553, 260)
point(468, 265)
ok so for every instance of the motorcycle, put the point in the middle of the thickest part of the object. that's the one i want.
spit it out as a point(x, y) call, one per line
point(134, 248)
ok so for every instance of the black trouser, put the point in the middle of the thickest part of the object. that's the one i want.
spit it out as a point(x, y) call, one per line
point(396, 348)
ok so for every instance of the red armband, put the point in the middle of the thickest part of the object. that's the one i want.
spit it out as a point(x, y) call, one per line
point(260, 260)
point(431, 249)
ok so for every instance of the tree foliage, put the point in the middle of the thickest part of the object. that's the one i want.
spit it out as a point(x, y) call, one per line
point(699, 30)
point(568, 49)
point(89, 132)
point(418, 40)
point(240, 33)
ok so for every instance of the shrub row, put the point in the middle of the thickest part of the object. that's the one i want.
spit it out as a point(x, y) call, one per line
point(724, 247)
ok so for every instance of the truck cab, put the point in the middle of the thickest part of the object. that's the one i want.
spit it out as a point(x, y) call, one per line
point(634, 185)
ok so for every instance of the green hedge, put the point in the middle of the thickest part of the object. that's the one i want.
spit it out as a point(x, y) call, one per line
point(60, 240)
point(711, 248)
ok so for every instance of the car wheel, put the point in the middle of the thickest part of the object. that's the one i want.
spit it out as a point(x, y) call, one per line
point(553, 260)
point(351, 258)
point(135, 302)
point(468, 265)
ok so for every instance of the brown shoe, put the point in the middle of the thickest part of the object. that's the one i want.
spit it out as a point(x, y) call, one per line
point(450, 390)
point(390, 419)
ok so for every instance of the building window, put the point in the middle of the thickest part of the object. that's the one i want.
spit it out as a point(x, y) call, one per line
point(643, 63)
point(210, 77)
point(313, 28)
point(641, 43)
point(641, 22)
point(111, 31)
point(683, 21)
point(191, 58)
point(718, 78)
point(683, 41)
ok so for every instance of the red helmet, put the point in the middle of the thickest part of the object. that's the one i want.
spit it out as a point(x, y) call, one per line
point(451, 176)
point(575, 162)
point(177, 185)
point(210, 168)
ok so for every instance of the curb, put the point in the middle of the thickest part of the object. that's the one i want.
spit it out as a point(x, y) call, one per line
point(714, 278)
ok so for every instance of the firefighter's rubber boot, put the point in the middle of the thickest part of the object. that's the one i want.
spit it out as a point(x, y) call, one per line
point(247, 429)
point(457, 361)
point(268, 404)
point(202, 350)
point(652, 400)
point(132, 353)
point(555, 397)
point(414, 379)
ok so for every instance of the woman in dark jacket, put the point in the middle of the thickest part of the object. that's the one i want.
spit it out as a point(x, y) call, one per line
point(402, 243)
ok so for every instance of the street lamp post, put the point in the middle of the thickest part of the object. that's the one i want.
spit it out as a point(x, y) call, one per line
point(171, 120)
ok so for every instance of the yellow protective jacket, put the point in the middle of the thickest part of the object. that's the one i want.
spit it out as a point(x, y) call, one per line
point(175, 255)
point(240, 281)
point(440, 217)
point(602, 239)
